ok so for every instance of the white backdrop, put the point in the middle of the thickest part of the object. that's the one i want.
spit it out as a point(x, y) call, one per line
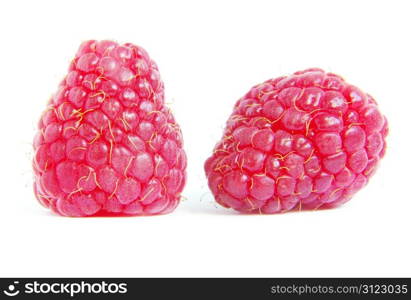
point(209, 54)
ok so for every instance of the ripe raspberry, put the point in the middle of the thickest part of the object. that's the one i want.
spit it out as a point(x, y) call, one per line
point(304, 141)
point(107, 144)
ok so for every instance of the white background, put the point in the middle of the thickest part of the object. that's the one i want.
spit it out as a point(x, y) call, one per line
point(209, 54)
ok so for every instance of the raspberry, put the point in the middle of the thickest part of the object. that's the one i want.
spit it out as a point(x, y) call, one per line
point(305, 141)
point(107, 144)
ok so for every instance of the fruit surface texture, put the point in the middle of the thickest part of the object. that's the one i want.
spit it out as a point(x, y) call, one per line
point(106, 143)
point(305, 141)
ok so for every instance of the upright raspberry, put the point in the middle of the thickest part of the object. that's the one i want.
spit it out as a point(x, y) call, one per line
point(305, 141)
point(107, 144)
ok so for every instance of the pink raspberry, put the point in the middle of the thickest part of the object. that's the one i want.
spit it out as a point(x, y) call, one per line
point(305, 141)
point(107, 144)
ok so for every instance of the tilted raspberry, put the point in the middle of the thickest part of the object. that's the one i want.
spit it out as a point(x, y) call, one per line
point(107, 144)
point(305, 141)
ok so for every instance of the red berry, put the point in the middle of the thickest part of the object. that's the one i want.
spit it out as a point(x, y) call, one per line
point(305, 141)
point(107, 144)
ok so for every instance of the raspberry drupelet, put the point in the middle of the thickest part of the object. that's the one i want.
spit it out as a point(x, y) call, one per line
point(305, 141)
point(107, 144)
